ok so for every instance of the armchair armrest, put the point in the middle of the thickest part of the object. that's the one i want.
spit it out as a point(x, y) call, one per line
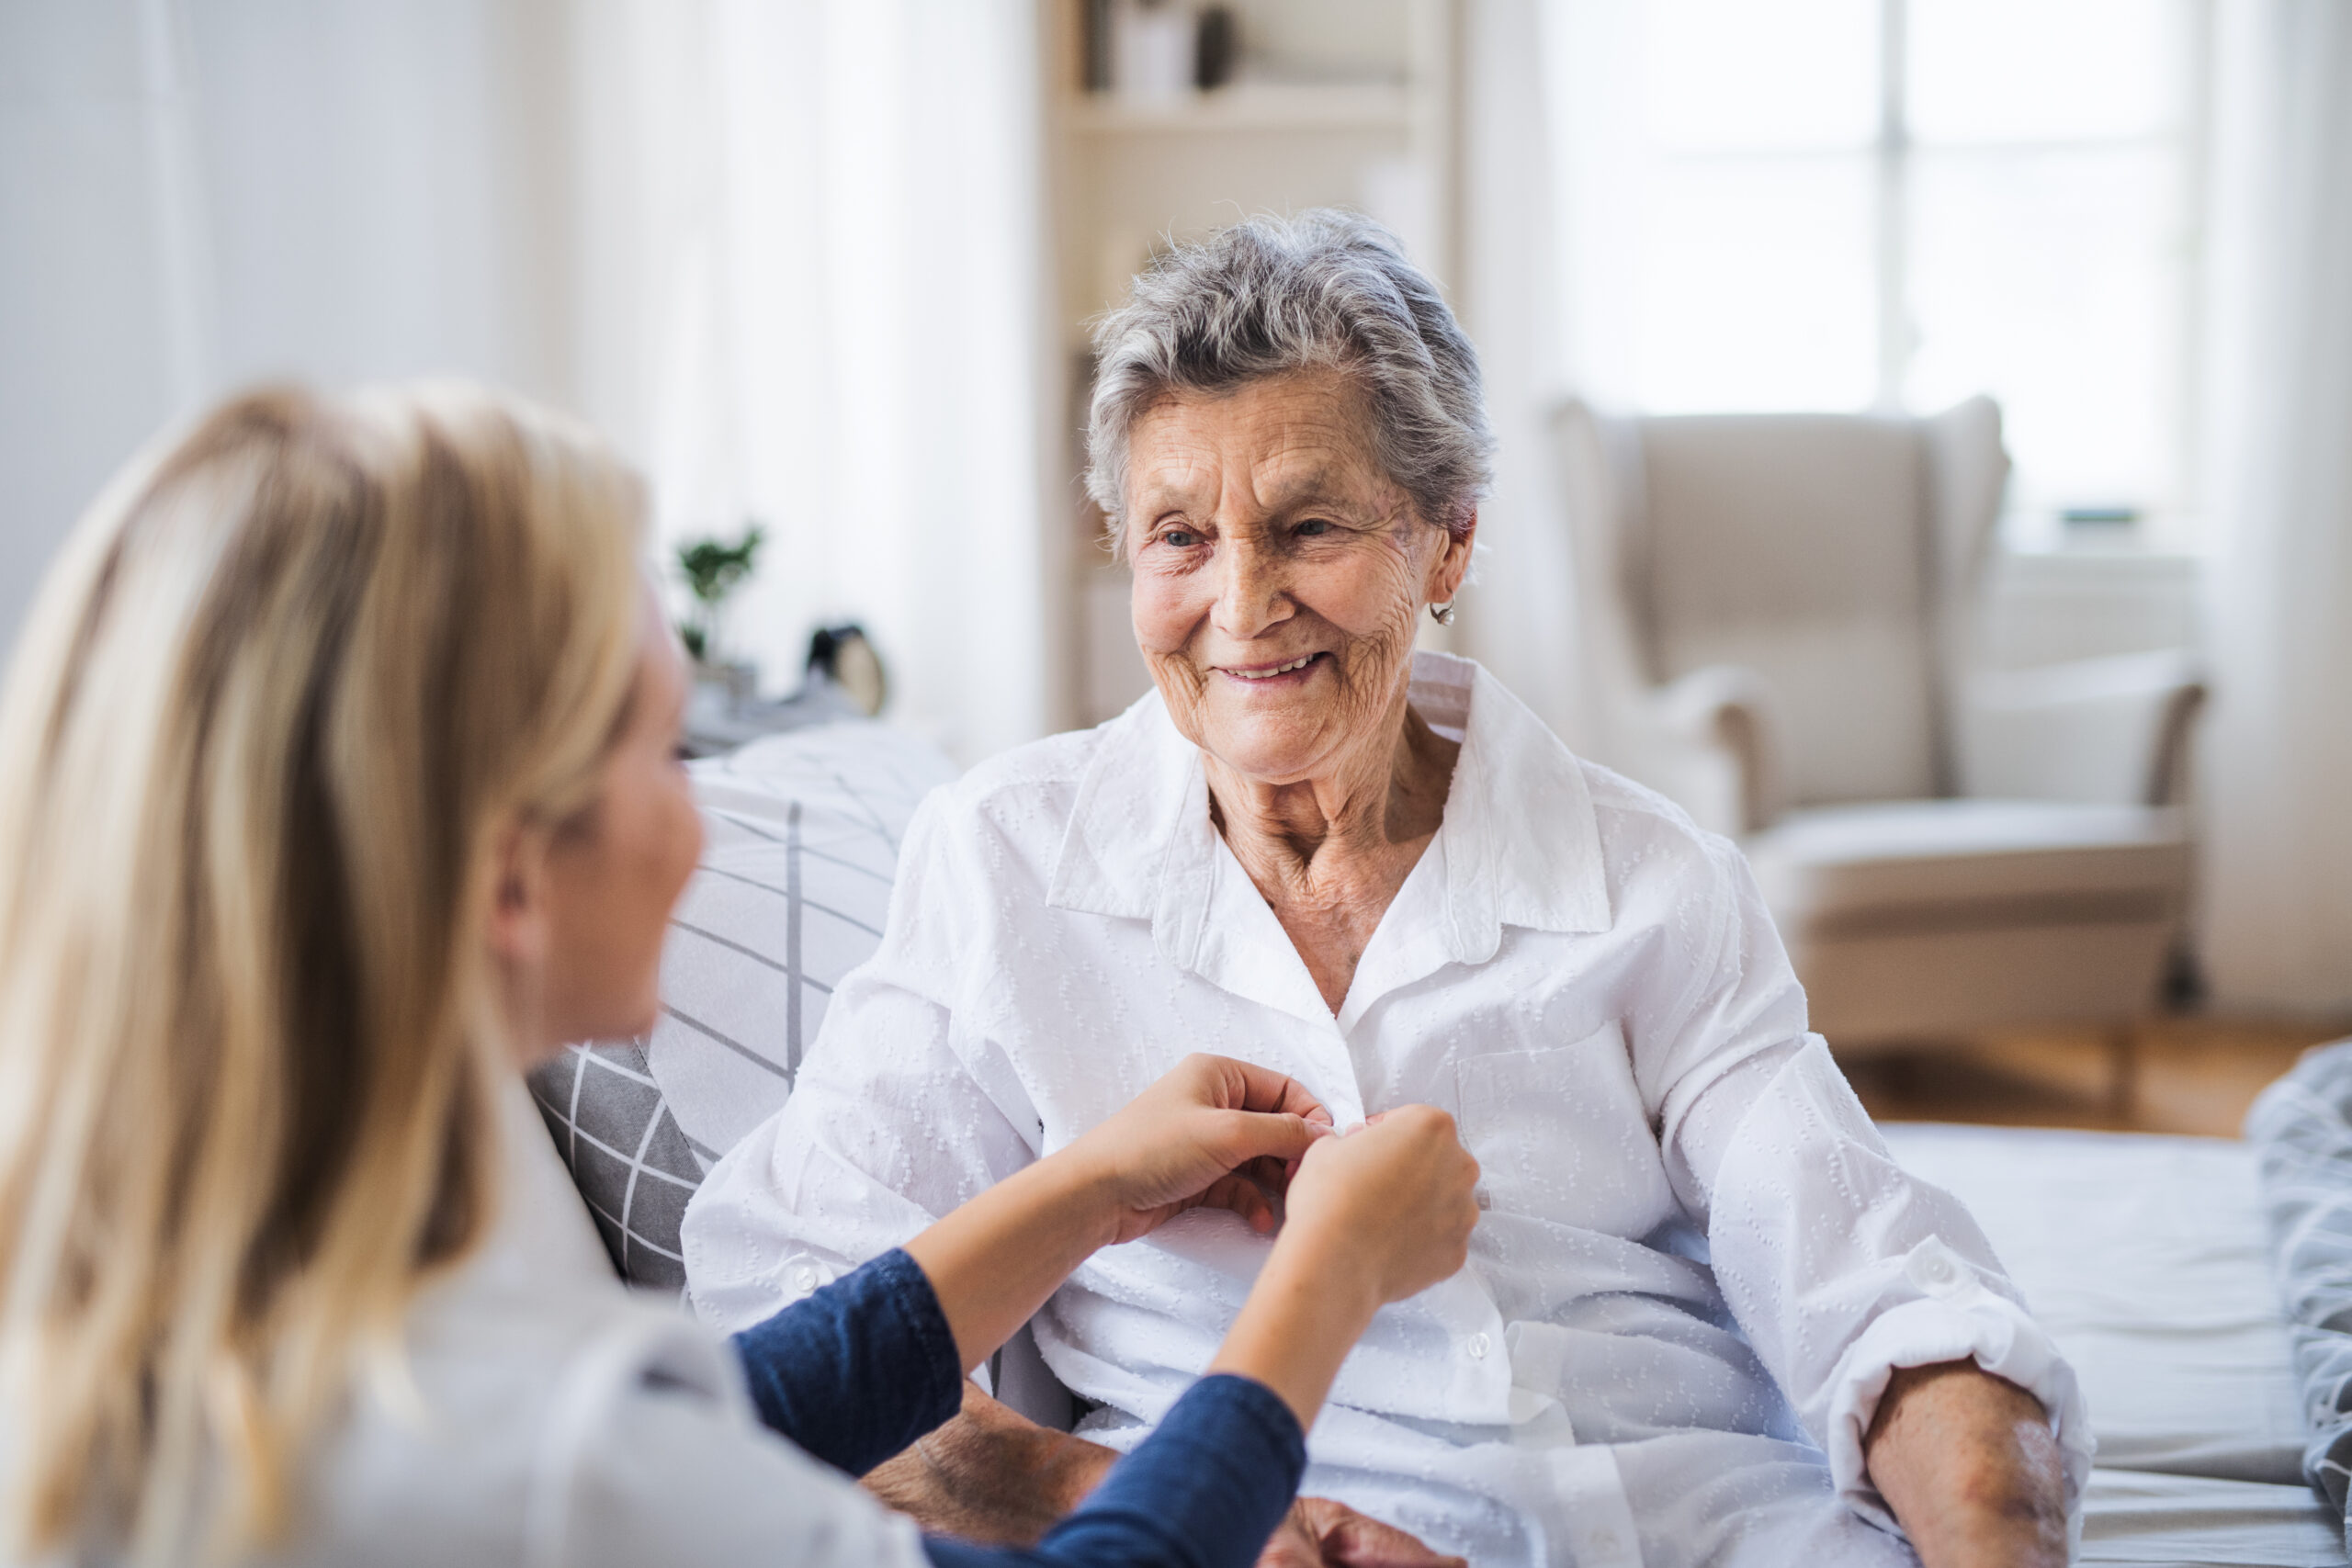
point(2113, 730)
point(1713, 739)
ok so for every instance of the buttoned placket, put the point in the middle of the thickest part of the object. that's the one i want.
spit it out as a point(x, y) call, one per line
point(1142, 841)
point(1239, 946)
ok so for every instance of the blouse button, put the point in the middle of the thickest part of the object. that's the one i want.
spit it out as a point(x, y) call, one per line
point(1933, 1270)
point(804, 1279)
point(1932, 1267)
point(1476, 1345)
point(1485, 1199)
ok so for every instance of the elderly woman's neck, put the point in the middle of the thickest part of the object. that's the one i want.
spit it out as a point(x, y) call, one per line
point(1375, 804)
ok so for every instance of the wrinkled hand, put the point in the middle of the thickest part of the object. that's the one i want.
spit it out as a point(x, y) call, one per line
point(1213, 1131)
point(1320, 1533)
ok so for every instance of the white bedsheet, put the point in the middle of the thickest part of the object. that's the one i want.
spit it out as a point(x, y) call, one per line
point(2143, 1520)
point(2146, 1260)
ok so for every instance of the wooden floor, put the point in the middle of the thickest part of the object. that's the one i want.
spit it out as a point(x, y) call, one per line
point(2194, 1075)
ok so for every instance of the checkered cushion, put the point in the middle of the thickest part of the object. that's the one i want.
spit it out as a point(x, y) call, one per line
point(802, 835)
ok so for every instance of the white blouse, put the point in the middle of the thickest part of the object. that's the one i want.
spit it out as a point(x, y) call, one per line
point(544, 1417)
point(572, 1427)
point(1699, 1264)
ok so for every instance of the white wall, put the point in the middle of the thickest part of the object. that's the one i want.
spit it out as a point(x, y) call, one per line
point(92, 302)
point(368, 182)
point(197, 195)
point(2045, 609)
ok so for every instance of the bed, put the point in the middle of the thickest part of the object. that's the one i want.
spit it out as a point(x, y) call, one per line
point(2147, 1259)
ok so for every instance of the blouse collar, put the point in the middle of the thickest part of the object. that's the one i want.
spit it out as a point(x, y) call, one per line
point(1521, 844)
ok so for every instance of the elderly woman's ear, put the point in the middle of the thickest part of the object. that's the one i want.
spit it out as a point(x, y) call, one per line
point(1450, 567)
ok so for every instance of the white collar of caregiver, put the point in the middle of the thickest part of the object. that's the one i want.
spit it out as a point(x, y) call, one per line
point(1140, 844)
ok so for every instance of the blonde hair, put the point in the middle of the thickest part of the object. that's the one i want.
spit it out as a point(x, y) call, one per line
point(292, 678)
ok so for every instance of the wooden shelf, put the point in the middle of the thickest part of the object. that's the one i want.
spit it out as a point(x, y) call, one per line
point(1249, 106)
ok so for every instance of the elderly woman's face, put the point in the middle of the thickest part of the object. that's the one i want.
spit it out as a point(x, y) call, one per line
point(1278, 573)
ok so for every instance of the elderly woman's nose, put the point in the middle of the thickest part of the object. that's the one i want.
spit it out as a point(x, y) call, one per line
point(1253, 590)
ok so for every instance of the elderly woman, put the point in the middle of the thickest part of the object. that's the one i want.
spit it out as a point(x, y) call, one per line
point(1705, 1319)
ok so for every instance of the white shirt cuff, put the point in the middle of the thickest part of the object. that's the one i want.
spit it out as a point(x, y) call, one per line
point(1955, 1318)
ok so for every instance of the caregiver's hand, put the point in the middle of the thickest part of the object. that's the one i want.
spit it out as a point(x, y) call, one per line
point(1214, 1130)
point(1207, 1133)
point(1392, 1204)
point(1379, 1214)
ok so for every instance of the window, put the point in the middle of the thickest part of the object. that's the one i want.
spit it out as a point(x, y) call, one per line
point(1844, 204)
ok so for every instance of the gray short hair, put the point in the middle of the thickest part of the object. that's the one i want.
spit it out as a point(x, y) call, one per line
point(1270, 296)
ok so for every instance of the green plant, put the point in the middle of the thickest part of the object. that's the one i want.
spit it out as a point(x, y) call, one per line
point(713, 570)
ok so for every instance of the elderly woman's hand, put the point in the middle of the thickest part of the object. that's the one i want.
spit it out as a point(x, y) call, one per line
point(1971, 1467)
point(1213, 1132)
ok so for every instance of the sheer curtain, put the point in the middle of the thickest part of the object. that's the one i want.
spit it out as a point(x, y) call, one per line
point(810, 294)
point(2279, 765)
point(786, 252)
point(1517, 614)
point(1548, 188)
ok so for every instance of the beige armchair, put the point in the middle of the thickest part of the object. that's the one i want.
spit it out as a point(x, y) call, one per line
point(1782, 609)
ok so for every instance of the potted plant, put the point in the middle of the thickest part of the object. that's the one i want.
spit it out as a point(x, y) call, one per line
point(713, 570)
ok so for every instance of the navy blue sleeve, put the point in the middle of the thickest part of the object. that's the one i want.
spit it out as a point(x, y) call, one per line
point(858, 1371)
point(1204, 1490)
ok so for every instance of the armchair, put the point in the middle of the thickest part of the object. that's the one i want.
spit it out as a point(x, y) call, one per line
point(1782, 609)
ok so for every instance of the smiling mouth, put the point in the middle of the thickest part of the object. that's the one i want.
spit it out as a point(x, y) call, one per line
point(1272, 672)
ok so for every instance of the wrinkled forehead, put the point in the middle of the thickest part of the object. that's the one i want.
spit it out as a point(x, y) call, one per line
point(1265, 444)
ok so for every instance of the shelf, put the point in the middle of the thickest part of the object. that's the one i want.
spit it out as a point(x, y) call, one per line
point(1255, 106)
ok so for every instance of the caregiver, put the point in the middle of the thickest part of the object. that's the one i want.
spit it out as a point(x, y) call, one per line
point(338, 780)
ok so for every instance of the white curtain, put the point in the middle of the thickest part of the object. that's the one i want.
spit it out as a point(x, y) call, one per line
point(811, 294)
point(2278, 762)
point(1518, 613)
point(1550, 186)
point(787, 252)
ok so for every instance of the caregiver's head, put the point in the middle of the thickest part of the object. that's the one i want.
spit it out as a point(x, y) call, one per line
point(1288, 437)
point(329, 725)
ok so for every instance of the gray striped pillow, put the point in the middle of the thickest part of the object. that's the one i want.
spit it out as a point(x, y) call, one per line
point(802, 841)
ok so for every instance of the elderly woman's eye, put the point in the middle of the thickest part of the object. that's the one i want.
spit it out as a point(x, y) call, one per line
point(1313, 528)
point(1183, 538)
